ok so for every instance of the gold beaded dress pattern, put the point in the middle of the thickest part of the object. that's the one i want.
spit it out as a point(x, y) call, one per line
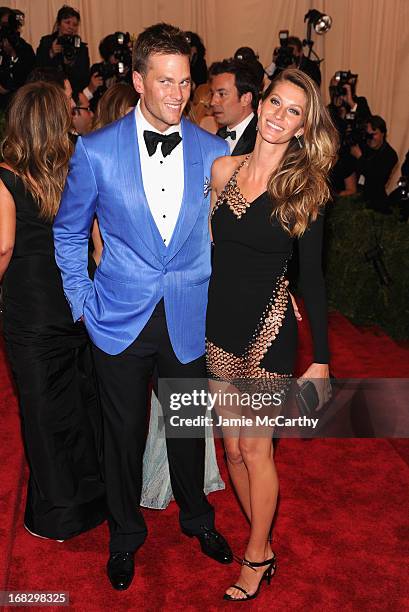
point(251, 328)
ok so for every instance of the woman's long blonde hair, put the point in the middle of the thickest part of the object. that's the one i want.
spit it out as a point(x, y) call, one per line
point(114, 104)
point(36, 142)
point(298, 186)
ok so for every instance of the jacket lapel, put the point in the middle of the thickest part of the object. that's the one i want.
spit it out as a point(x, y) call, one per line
point(133, 191)
point(193, 195)
point(248, 139)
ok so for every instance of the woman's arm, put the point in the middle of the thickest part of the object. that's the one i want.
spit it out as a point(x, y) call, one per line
point(7, 228)
point(48, 51)
point(313, 292)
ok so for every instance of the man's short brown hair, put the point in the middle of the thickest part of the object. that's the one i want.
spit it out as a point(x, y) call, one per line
point(161, 38)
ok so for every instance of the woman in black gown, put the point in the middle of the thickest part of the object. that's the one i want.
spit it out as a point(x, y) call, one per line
point(49, 354)
point(261, 203)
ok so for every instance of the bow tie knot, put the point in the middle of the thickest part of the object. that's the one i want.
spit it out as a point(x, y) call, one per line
point(223, 132)
point(169, 142)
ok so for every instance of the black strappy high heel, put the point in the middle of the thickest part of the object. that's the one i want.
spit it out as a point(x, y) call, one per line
point(268, 574)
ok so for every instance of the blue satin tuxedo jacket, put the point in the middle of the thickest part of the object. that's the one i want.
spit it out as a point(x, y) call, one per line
point(136, 268)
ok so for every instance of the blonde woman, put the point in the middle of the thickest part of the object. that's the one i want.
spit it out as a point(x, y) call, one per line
point(261, 203)
point(49, 354)
point(116, 102)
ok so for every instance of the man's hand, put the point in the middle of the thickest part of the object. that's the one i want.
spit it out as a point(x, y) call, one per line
point(348, 96)
point(95, 81)
point(356, 151)
point(294, 303)
point(55, 49)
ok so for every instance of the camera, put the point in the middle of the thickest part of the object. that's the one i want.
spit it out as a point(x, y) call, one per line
point(122, 53)
point(355, 132)
point(70, 46)
point(344, 77)
point(284, 55)
point(403, 188)
point(119, 49)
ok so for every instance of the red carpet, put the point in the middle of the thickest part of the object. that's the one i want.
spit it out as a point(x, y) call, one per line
point(341, 536)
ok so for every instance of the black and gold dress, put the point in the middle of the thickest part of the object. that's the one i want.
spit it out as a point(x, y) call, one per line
point(251, 327)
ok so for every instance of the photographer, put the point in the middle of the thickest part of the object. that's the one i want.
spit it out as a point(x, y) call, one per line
point(290, 55)
point(247, 54)
point(116, 52)
point(348, 111)
point(375, 162)
point(64, 49)
point(17, 57)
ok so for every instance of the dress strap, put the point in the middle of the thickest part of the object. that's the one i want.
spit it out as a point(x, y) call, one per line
point(9, 178)
point(239, 167)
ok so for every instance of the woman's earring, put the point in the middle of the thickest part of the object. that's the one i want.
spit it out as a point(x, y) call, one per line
point(299, 141)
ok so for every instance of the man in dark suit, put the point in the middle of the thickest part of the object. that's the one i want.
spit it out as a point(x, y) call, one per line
point(234, 90)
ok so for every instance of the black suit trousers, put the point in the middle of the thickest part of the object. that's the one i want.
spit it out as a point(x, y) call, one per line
point(124, 383)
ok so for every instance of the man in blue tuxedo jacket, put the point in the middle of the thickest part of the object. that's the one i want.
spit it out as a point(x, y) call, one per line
point(146, 177)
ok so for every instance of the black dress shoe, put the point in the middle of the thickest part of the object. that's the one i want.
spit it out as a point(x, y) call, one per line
point(214, 545)
point(121, 569)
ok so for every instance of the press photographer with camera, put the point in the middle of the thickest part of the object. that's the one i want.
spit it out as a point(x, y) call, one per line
point(64, 49)
point(290, 55)
point(348, 111)
point(375, 162)
point(116, 52)
point(17, 57)
point(349, 114)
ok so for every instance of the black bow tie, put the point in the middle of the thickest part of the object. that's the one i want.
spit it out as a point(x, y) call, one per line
point(169, 142)
point(223, 132)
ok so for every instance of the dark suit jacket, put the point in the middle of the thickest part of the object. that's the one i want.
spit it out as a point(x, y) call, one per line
point(246, 143)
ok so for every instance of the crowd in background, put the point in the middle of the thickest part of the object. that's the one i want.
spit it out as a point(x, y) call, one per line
point(223, 101)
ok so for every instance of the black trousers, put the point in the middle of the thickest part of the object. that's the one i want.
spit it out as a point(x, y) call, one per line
point(123, 383)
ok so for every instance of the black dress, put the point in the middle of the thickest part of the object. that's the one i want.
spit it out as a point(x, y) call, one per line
point(251, 328)
point(51, 362)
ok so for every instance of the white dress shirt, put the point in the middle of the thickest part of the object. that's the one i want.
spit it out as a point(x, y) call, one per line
point(162, 177)
point(239, 129)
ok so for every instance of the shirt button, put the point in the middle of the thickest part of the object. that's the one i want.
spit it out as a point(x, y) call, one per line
point(164, 216)
point(163, 189)
point(161, 162)
point(165, 270)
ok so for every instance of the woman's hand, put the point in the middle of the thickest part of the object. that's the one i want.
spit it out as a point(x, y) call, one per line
point(318, 374)
point(55, 49)
point(95, 81)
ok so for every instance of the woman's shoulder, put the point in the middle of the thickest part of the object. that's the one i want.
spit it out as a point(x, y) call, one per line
point(224, 167)
point(7, 167)
point(9, 171)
